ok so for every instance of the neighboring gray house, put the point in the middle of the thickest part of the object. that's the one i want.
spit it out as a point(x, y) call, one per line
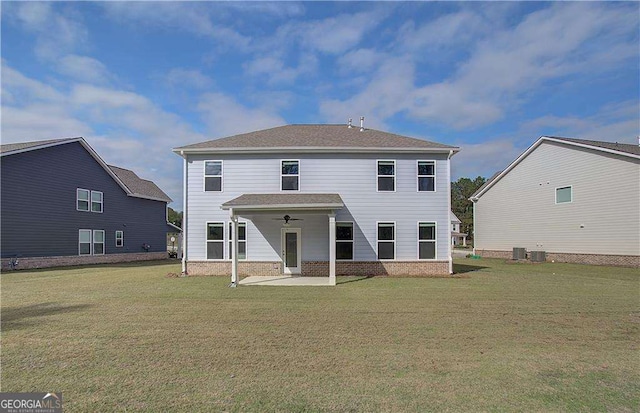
point(457, 237)
point(61, 204)
point(317, 200)
point(577, 200)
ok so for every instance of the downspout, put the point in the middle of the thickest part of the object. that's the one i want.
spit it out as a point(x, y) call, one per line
point(448, 221)
point(184, 214)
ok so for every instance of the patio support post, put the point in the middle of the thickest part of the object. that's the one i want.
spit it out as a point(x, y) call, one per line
point(234, 249)
point(332, 248)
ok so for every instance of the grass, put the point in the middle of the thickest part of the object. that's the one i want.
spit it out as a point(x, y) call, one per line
point(501, 337)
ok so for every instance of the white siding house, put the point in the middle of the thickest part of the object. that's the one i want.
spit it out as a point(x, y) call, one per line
point(577, 200)
point(317, 200)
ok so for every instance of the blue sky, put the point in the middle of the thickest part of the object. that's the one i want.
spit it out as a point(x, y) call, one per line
point(139, 78)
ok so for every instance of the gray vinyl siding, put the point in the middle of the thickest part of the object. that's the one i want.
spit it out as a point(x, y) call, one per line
point(352, 176)
point(520, 209)
point(38, 206)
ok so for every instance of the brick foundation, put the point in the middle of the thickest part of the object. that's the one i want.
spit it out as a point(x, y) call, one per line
point(321, 268)
point(71, 260)
point(591, 259)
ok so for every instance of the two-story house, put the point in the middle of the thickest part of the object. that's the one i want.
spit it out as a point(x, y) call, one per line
point(61, 204)
point(457, 237)
point(317, 200)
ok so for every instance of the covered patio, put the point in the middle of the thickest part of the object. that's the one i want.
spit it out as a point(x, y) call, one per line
point(249, 206)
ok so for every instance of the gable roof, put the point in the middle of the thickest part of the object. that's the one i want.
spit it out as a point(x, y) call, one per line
point(130, 182)
point(316, 138)
point(622, 149)
point(454, 218)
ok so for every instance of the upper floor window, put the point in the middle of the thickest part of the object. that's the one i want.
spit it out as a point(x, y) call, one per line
point(563, 195)
point(386, 240)
point(213, 176)
point(387, 176)
point(242, 240)
point(215, 241)
point(89, 200)
point(426, 176)
point(427, 240)
point(96, 201)
point(344, 240)
point(290, 177)
point(82, 199)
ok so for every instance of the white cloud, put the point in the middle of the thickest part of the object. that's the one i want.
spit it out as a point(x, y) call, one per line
point(360, 61)
point(484, 158)
point(225, 116)
point(274, 69)
point(83, 69)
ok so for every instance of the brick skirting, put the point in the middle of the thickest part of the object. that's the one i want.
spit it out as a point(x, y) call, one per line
point(591, 259)
point(321, 268)
point(71, 260)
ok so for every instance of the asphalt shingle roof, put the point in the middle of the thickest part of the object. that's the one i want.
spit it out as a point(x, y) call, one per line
point(317, 136)
point(9, 147)
point(277, 200)
point(622, 147)
point(139, 186)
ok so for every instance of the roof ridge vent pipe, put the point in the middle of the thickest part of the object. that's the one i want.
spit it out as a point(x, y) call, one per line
point(361, 123)
point(350, 125)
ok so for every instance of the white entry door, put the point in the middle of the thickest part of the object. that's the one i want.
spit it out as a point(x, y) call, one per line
point(291, 250)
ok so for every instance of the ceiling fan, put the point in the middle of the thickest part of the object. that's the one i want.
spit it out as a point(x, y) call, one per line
point(287, 218)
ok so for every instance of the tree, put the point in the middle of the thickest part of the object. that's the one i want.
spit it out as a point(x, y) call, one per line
point(461, 191)
point(175, 217)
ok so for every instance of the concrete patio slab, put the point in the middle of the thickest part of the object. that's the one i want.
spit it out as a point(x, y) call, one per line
point(286, 280)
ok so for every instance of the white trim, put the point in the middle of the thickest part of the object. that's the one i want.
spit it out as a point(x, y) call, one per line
point(394, 241)
point(555, 194)
point(88, 200)
point(285, 269)
point(184, 215)
point(353, 241)
point(296, 175)
point(101, 202)
point(418, 176)
point(283, 206)
point(230, 240)
point(207, 240)
point(104, 249)
point(90, 241)
point(434, 240)
point(394, 176)
point(310, 149)
point(449, 248)
point(534, 146)
point(205, 176)
point(121, 239)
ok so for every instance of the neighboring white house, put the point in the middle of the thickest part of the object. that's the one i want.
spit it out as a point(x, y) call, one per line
point(317, 200)
point(577, 200)
point(457, 237)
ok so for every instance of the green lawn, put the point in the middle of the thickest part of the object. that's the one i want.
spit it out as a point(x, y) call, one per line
point(500, 337)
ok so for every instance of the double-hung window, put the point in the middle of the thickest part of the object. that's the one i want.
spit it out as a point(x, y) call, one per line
point(386, 240)
point(96, 201)
point(426, 176)
point(386, 176)
point(242, 240)
point(119, 238)
point(91, 242)
point(563, 195)
point(84, 242)
point(98, 242)
point(344, 240)
point(427, 240)
point(290, 176)
point(213, 176)
point(215, 241)
point(82, 199)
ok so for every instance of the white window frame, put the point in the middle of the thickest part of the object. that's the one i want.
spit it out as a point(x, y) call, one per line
point(90, 242)
point(230, 240)
point(378, 176)
point(88, 199)
point(207, 241)
point(93, 242)
point(426, 176)
point(563, 187)
point(221, 176)
point(101, 202)
point(384, 240)
point(352, 241)
point(289, 175)
point(435, 240)
point(120, 238)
